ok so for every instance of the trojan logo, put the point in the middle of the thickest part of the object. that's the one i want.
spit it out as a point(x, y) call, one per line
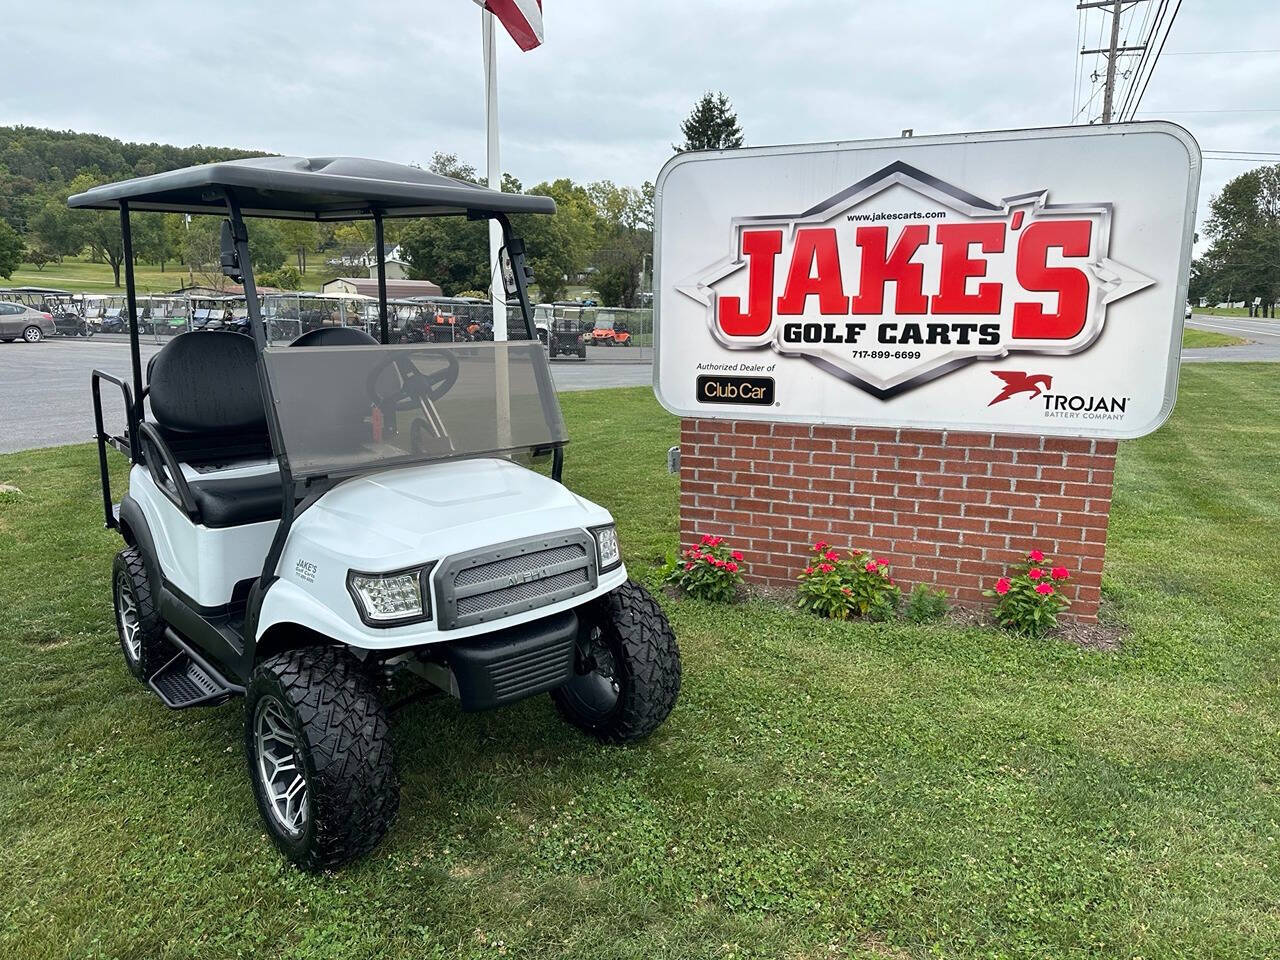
point(1016, 382)
point(902, 278)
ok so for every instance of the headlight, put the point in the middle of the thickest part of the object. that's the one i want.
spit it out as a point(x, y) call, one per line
point(607, 546)
point(390, 599)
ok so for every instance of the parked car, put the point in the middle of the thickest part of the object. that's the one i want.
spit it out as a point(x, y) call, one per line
point(610, 332)
point(567, 337)
point(18, 321)
point(1188, 313)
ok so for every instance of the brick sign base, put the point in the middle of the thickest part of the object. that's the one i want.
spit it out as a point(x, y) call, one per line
point(949, 509)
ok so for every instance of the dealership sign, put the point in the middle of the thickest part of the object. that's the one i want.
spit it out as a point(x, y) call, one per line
point(1028, 281)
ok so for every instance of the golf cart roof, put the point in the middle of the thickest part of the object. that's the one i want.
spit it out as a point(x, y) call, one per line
point(308, 188)
point(45, 291)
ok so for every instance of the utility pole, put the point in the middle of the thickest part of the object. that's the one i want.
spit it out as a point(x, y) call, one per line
point(1113, 50)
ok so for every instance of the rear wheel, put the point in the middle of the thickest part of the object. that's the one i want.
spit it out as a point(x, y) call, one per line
point(33, 334)
point(627, 673)
point(318, 747)
point(137, 621)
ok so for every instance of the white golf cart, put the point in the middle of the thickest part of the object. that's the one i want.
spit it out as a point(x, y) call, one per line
point(303, 522)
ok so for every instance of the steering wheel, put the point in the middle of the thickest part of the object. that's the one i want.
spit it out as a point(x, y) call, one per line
point(414, 387)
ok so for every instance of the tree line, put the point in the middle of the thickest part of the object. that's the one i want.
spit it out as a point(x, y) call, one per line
point(1243, 259)
point(601, 235)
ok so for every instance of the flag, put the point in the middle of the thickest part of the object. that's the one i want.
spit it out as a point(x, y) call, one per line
point(522, 18)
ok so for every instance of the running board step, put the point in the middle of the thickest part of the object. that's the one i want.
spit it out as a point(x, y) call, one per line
point(186, 681)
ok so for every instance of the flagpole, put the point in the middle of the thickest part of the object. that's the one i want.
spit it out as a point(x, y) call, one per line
point(497, 291)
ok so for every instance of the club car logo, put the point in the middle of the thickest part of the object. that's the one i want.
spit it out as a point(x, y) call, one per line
point(903, 278)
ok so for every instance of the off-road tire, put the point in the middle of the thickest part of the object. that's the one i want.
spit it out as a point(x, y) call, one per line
point(343, 738)
point(33, 334)
point(647, 663)
point(129, 571)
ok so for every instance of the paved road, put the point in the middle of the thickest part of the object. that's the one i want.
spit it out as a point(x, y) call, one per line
point(44, 387)
point(1265, 335)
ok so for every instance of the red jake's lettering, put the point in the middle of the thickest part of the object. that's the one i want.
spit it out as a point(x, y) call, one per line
point(879, 266)
point(1030, 320)
point(956, 240)
point(815, 270)
point(761, 248)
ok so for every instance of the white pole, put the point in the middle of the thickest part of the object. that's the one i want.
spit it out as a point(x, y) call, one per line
point(497, 290)
point(498, 293)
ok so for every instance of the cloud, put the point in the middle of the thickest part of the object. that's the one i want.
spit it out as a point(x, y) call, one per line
point(603, 98)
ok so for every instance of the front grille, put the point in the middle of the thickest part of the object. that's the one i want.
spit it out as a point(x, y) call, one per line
point(514, 577)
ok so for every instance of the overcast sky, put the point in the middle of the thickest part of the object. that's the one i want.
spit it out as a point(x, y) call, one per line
point(603, 97)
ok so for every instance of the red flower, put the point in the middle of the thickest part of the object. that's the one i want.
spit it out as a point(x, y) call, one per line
point(1003, 585)
point(1035, 556)
point(808, 569)
point(825, 567)
point(1060, 573)
point(1035, 573)
point(820, 546)
point(882, 561)
point(870, 567)
point(846, 590)
point(707, 538)
point(689, 566)
point(1045, 588)
point(731, 567)
point(831, 555)
point(737, 555)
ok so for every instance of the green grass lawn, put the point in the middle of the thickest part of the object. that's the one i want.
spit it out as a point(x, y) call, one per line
point(1192, 337)
point(84, 276)
point(821, 790)
point(1223, 311)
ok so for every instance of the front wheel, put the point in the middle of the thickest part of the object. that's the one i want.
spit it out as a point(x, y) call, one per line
point(33, 334)
point(627, 672)
point(318, 745)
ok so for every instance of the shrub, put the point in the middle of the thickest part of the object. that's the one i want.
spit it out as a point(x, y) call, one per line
point(708, 571)
point(925, 604)
point(855, 585)
point(1028, 600)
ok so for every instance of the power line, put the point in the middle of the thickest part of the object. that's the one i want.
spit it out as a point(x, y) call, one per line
point(1143, 60)
point(1155, 60)
point(1217, 110)
point(1214, 53)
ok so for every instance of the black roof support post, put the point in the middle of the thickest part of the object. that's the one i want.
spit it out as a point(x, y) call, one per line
point(382, 276)
point(515, 251)
point(131, 299)
point(288, 506)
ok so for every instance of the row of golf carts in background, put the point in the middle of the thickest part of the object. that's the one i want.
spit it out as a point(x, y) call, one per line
point(565, 328)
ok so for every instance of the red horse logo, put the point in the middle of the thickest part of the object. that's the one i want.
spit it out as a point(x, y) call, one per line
point(1015, 382)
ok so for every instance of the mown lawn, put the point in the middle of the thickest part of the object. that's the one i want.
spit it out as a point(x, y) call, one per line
point(84, 276)
point(821, 790)
point(1193, 337)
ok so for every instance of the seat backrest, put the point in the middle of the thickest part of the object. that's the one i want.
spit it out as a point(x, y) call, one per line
point(207, 382)
point(334, 337)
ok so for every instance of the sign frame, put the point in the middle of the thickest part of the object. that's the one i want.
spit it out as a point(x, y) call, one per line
point(1050, 427)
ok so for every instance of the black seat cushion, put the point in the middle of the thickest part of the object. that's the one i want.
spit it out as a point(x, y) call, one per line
point(206, 400)
point(233, 501)
point(334, 337)
point(205, 382)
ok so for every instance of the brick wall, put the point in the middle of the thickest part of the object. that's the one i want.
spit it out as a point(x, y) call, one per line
point(948, 508)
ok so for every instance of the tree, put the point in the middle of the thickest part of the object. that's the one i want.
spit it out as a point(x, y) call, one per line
point(624, 236)
point(56, 230)
point(557, 246)
point(711, 125)
point(11, 248)
point(37, 257)
point(101, 228)
point(153, 237)
point(1243, 260)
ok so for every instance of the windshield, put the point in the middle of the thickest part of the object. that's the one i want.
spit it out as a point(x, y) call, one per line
point(351, 409)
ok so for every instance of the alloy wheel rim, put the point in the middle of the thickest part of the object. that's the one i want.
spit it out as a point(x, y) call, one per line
point(32, 335)
point(127, 613)
point(280, 766)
